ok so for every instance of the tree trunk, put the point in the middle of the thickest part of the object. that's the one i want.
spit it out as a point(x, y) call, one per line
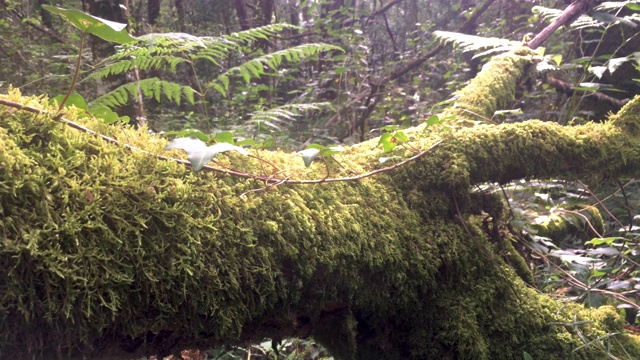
point(293, 8)
point(107, 252)
point(179, 4)
point(243, 16)
point(45, 15)
point(411, 29)
point(330, 6)
point(306, 12)
point(267, 9)
point(153, 11)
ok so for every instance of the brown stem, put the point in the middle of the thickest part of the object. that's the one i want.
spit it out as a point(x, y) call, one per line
point(568, 89)
point(569, 15)
point(75, 75)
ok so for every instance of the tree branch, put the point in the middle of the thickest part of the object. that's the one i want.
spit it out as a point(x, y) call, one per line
point(569, 15)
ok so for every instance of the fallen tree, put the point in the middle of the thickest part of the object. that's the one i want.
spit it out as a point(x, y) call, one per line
point(109, 252)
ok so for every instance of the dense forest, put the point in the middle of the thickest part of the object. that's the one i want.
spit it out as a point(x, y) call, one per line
point(332, 179)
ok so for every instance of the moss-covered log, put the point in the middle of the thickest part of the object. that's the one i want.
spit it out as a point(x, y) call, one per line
point(111, 253)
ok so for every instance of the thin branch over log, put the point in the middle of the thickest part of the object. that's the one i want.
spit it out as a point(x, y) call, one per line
point(569, 15)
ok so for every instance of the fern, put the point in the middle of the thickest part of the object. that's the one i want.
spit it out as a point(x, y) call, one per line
point(472, 43)
point(142, 63)
point(582, 22)
point(285, 114)
point(153, 87)
point(167, 50)
point(600, 18)
point(256, 67)
point(162, 44)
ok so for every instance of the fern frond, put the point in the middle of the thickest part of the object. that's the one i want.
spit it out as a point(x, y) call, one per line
point(173, 46)
point(217, 48)
point(605, 14)
point(153, 87)
point(472, 43)
point(259, 33)
point(285, 114)
point(582, 22)
point(142, 63)
point(254, 68)
point(161, 44)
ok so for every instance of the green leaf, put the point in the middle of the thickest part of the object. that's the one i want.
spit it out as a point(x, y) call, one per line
point(400, 137)
point(199, 153)
point(246, 142)
point(102, 28)
point(189, 133)
point(526, 356)
point(107, 115)
point(75, 100)
point(315, 146)
point(386, 140)
point(433, 120)
point(633, 6)
point(600, 241)
point(390, 127)
point(220, 89)
point(308, 155)
point(224, 137)
point(331, 150)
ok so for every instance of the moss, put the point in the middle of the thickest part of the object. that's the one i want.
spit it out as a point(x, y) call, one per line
point(494, 89)
point(628, 117)
point(106, 252)
point(578, 222)
point(512, 257)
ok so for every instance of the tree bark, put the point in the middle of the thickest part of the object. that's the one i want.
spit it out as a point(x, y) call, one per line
point(153, 11)
point(266, 9)
point(293, 8)
point(107, 252)
point(45, 15)
point(179, 4)
point(243, 16)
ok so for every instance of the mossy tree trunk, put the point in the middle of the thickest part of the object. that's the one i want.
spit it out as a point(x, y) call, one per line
point(111, 253)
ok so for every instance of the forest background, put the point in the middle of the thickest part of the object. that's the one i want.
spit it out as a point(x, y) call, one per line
point(348, 71)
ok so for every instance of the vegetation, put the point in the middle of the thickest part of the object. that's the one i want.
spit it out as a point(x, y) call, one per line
point(347, 176)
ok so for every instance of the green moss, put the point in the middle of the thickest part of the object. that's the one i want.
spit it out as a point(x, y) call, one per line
point(494, 89)
point(577, 222)
point(629, 116)
point(109, 251)
point(512, 257)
